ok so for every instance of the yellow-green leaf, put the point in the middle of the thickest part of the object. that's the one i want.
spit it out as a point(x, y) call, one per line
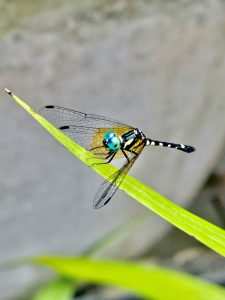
point(151, 282)
point(209, 234)
point(57, 289)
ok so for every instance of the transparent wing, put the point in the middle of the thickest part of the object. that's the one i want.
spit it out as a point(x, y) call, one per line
point(60, 116)
point(85, 129)
point(110, 186)
point(91, 138)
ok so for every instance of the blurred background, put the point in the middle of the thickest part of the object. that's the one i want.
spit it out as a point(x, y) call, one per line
point(157, 65)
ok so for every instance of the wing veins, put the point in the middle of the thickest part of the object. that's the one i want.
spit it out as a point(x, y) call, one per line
point(110, 185)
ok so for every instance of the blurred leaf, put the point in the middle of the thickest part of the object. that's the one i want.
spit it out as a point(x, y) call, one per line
point(151, 282)
point(62, 288)
point(58, 289)
point(209, 234)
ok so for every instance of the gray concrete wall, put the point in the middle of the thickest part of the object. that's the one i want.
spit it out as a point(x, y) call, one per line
point(157, 65)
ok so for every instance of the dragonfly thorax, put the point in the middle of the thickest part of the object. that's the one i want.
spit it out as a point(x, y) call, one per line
point(97, 132)
point(111, 141)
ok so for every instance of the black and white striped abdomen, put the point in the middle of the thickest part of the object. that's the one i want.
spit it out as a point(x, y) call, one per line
point(182, 147)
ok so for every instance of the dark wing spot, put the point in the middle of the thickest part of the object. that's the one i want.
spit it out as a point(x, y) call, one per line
point(107, 201)
point(49, 106)
point(64, 127)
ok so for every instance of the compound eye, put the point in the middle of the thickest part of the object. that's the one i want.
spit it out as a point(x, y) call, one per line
point(105, 143)
point(111, 142)
point(115, 144)
point(109, 135)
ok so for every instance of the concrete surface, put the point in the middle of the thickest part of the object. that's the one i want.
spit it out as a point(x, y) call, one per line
point(157, 65)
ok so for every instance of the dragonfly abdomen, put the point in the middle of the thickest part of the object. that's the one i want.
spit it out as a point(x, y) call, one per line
point(182, 147)
point(106, 139)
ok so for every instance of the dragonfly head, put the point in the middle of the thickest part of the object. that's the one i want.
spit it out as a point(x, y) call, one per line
point(111, 141)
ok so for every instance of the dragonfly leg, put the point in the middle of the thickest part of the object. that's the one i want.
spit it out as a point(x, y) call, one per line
point(110, 153)
point(96, 148)
point(124, 153)
point(131, 151)
point(110, 156)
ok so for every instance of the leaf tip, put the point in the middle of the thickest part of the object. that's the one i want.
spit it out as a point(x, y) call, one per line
point(8, 91)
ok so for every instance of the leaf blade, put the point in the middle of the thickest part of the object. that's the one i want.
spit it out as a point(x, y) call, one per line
point(143, 280)
point(207, 233)
point(57, 289)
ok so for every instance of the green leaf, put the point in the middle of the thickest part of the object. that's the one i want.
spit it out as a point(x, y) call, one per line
point(209, 234)
point(58, 289)
point(151, 282)
point(62, 288)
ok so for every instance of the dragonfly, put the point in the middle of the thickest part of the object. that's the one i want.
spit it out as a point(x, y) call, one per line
point(107, 139)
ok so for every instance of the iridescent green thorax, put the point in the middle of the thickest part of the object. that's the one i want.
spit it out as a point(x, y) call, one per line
point(111, 141)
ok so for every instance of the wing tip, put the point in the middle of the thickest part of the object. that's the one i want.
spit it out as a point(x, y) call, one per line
point(100, 204)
